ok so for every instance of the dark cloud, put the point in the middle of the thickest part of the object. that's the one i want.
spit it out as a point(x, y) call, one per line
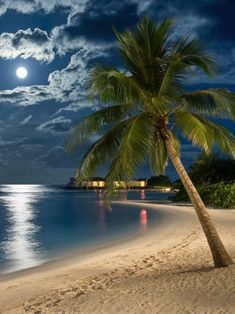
point(32, 6)
point(97, 22)
point(27, 44)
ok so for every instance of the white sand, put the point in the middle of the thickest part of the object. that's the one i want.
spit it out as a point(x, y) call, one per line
point(167, 270)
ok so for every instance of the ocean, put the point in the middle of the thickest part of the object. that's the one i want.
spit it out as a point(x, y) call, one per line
point(40, 223)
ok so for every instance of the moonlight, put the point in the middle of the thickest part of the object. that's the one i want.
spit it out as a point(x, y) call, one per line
point(21, 72)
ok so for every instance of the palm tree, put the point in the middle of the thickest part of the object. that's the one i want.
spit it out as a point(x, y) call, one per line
point(145, 107)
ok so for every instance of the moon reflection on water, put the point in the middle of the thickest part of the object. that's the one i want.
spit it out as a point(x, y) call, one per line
point(20, 246)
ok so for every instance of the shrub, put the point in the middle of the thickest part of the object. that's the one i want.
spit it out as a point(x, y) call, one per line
point(220, 194)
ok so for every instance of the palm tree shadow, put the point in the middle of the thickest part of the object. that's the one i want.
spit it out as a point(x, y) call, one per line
point(205, 269)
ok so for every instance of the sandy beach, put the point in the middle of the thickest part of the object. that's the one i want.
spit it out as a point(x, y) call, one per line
point(168, 269)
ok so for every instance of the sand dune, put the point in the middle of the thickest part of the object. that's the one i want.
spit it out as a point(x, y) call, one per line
point(167, 270)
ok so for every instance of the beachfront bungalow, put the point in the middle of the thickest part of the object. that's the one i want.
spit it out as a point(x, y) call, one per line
point(94, 183)
point(99, 183)
point(167, 189)
point(133, 184)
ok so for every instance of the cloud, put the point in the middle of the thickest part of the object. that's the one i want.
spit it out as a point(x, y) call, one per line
point(54, 158)
point(11, 142)
point(89, 25)
point(67, 38)
point(66, 85)
point(74, 107)
point(189, 20)
point(90, 21)
point(55, 126)
point(32, 6)
point(190, 25)
point(26, 120)
point(48, 6)
point(57, 158)
point(94, 27)
point(3, 163)
point(26, 95)
point(27, 44)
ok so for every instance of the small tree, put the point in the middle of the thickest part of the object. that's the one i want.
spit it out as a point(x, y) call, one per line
point(159, 181)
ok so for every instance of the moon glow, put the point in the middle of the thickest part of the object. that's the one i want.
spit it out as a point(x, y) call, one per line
point(21, 72)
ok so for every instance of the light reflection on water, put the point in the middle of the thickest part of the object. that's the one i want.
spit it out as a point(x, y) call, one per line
point(20, 246)
point(38, 223)
point(144, 218)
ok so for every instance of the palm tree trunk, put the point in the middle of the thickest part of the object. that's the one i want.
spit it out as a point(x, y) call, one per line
point(219, 253)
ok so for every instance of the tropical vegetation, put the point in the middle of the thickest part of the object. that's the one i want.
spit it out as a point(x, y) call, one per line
point(144, 108)
point(159, 181)
point(214, 177)
point(212, 168)
point(219, 194)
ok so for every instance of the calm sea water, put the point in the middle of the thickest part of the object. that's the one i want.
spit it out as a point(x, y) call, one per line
point(39, 223)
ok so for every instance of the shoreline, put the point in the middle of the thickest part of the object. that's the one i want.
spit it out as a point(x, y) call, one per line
point(112, 266)
point(79, 256)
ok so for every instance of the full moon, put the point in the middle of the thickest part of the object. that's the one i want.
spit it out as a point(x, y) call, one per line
point(21, 72)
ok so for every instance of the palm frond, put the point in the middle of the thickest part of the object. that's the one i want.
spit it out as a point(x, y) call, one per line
point(143, 51)
point(160, 106)
point(111, 85)
point(102, 150)
point(183, 57)
point(134, 147)
point(194, 53)
point(172, 75)
point(211, 102)
point(152, 38)
point(205, 133)
point(193, 129)
point(221, 137)
point(92, 124)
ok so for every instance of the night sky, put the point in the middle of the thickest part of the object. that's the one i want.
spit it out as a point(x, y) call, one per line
point(58, 41)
